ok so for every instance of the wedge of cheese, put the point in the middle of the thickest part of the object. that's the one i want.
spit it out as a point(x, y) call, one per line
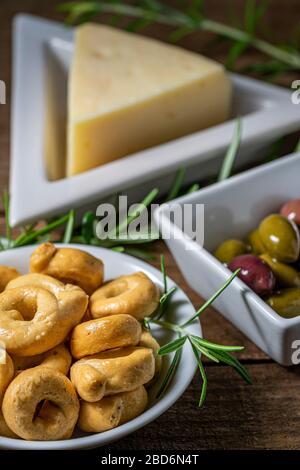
point(128, 93)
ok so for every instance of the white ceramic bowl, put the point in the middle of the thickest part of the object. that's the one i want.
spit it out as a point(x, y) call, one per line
point(42, 52)
point(180, 310)
point(232, 209)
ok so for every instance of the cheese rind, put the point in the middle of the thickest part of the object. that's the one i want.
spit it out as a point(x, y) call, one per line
point(128, 93)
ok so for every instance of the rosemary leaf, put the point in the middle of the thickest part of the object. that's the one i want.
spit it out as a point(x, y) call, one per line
point(170, 373)
point(163, 271)
point(69, 227)
point(151, 196)
point(5, 202)
point(203, 350)
point(172, 346)
point(174, 191)
point(231, 152)
point(297, 148)
point(192, 189)
point(214, 346)
point(87, 226)
point(167, 295)
point(234, 363)
point(203, 375)
point(118, 249)
point(34, 235)
point(212, 298)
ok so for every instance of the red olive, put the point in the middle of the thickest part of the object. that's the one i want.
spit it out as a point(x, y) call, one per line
point(291, 210)
point(255, 273)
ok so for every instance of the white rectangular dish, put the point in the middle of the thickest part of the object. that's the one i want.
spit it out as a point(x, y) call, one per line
point(42, 52)
point(232, 209)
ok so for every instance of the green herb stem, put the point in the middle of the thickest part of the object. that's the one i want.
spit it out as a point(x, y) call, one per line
point(173, 17)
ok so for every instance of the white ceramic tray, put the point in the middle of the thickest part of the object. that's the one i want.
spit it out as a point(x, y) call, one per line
point(181, 309)
point(42, 51)
point(232, 209)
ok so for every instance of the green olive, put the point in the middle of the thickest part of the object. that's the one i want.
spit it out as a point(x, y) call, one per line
point(255, 243)
point(286, 302)
point(229, 249)
point(280, 238)
point(286, 275)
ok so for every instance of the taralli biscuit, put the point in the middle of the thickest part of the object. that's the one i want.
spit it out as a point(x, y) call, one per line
point(134, 295)
point(48, 321)
point(148, 341)
point(69, 265)
point(104, 333)
point(37, 312)
point(87, 316)
point(57, 358)
point(111, 372)
point(4, 429)
point(45, 387)
point(7, 273)
point(6, 376)
point(6, 373)
point(112, 411)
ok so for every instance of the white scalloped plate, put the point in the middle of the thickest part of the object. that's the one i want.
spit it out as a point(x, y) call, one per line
point(180, 310)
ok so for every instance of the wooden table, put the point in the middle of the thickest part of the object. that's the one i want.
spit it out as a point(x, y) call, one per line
point(265, 415)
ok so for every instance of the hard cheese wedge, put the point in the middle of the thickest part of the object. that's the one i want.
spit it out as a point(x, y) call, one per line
point(128, 93)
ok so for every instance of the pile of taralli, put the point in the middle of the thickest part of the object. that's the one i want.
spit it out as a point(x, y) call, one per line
point(74, 350)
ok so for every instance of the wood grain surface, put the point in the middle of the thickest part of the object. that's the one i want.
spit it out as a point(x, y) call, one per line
point(265, 415)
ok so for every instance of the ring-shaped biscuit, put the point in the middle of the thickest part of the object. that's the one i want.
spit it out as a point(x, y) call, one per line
point(41, 404)
point(111, 372)
point(148, 341)
point(7, 274)
point(37, 312)
point(134, 295)
point(69, 265)
point(6, 376)
point(57, 358)
point(105, 333)
point(112, 411)
point(6, 373)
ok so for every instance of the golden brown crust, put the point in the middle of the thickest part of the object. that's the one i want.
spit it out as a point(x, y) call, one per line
point(105, 333)
point(112, 411)
point(148, 341)
point(6, 373)
point(5, 431)
point(134, 295)
point(57, 358)
point(6, 376)
point(69, 265)
point(7, 273)
point(37, 312)
point(46, 388)
point(115, 371)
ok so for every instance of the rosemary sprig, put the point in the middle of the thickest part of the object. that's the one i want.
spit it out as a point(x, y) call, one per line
point(187, 21)
point(215, 352)
point(135, 214)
